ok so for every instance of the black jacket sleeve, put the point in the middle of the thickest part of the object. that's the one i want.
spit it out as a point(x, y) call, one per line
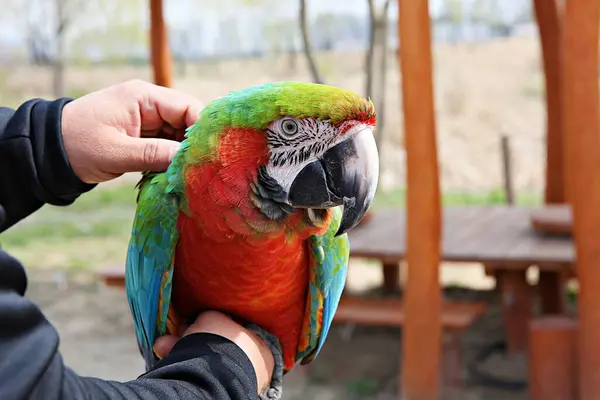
point(34, 170)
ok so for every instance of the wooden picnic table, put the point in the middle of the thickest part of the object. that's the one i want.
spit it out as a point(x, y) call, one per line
point(487, 234)
point(500, 237)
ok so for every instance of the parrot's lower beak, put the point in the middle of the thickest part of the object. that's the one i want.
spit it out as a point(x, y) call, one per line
point(346, 174)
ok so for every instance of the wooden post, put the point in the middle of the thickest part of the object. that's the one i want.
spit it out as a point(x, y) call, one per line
point(551, 290)
point(553, 358)
point(160, 52)
point(548, 18)
point(422, 335)
point(582, 149)
point(516, 308)
point(509, 189)
point(549, 14)
point(391, 277)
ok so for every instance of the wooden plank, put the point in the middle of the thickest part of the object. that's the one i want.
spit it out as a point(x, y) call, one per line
point(422, 336)
point(391, 312)
point(582, 149)
point(494, 235)
point(113, 276)
point(548, 16)
point(160, 51)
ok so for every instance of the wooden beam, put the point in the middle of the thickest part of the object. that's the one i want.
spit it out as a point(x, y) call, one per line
point(160, 52)
point(582, 149)
point(422, 336)
point(549, 17)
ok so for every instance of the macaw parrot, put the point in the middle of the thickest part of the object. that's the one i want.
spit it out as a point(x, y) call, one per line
point(251, 216)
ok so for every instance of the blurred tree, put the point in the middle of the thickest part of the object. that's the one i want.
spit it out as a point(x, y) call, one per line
point(272, 32)
point(229, 36)
point(370, 49)
point(452, 13)
point(282, 35)
point(46, 25)
point(117, 34)
point(383, 25)
point(525, 13)
point(264, 13)
point(326, 22)
point(182, 39)
point(302, 15)
point(65, 12)
point(498, 22)
point(480, 12)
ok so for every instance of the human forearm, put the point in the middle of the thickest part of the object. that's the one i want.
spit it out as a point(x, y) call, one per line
point(34, 168)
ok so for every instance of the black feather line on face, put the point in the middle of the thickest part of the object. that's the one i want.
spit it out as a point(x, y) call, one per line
point(313, 137)
point(270, 197)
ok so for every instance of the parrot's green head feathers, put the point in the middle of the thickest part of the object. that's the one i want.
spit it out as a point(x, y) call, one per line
point(320, 150)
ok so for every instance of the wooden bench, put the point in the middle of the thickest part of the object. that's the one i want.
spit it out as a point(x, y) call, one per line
point(113, 276)
point(457, 317)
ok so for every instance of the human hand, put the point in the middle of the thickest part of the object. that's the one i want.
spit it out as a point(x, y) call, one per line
point(125, 128)
point(219, 324)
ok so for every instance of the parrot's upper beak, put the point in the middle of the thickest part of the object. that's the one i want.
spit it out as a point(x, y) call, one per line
point(346, 174)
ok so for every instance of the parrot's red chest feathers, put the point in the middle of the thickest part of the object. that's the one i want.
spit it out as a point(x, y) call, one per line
point(232, 258)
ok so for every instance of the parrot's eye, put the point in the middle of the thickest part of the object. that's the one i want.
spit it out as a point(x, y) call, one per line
point(289, 127)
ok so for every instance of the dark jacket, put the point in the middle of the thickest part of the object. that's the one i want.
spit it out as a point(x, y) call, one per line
point(34, 170)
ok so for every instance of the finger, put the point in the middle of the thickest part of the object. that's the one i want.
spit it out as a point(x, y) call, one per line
point(145, 154)
point(164, 344)
point(162, 105)
point(213, 322)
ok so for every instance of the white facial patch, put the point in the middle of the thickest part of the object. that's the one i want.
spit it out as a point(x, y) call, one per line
point(295, 143)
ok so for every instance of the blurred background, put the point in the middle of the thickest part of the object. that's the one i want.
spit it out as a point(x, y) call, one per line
point(488, 85)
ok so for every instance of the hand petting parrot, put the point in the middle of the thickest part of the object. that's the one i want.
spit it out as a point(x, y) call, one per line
point(250, 218)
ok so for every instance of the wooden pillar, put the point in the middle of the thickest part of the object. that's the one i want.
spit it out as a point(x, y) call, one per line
point(391, 277)
point(516, 308)
point(582, 149)
point(422, 333)
point(552, 358)
point(160, 52)
point(549, 15)
point(548, 18)
point(551, 291)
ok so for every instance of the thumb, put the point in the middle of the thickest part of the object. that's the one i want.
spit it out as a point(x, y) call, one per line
point(164, 344)
point(148, 154)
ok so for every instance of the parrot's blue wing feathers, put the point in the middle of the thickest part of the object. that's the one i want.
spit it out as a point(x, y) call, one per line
point(329, 268)
point(149, 266)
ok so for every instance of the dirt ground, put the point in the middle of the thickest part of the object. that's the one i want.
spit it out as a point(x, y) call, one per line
point(361, 363)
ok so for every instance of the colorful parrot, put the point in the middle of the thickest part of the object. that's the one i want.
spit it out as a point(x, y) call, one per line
point(250, 218)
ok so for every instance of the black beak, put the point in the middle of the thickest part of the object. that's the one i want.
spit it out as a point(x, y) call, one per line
point(346, 174)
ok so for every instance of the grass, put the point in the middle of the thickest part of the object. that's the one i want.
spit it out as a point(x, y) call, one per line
point(94, 231)
point(397, 198)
